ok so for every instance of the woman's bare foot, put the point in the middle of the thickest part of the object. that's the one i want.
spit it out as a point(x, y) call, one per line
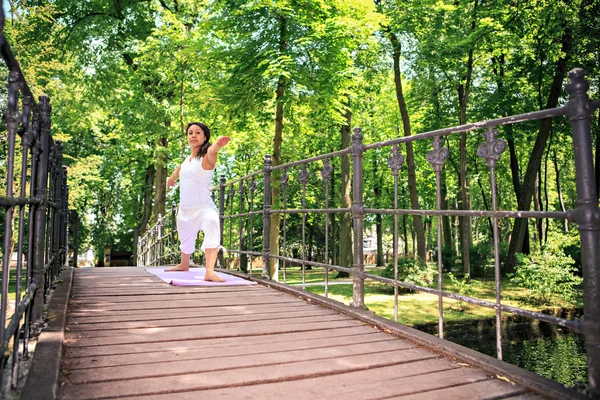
point(178, 267)
point(213, 277)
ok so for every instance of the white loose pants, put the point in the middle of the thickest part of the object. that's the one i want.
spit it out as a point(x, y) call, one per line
point(192, 221)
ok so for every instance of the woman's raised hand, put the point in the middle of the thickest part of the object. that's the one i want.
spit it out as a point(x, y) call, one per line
point(222, 140)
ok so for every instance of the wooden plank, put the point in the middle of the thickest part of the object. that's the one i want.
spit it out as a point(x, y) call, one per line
point(220, 363)
point(234, 325)
point(209, 349)
point(113, 299)
point(158, 305)
point(228, 308)
point(236, 377)
point(195, 333)
point(488, 389)
point(196, 320)
point(126, 350)
point(281, 309)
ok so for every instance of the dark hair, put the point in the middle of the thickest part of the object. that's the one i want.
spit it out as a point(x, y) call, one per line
point(206, 144)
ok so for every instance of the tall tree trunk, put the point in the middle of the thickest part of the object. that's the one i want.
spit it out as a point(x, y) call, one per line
point(405, 235)
point(559, 190)
point(332, 246)
point(536, 207)
point(345, 233)
point(546, 225)
point(147, 191)
point(463, 197)
point(512, 150)
point(378, 219)
point(379, 229)
point(446, 228)
point(518, 233)
point(160, 177)
point(276, 156)
point(181, 115)
point(410, 158)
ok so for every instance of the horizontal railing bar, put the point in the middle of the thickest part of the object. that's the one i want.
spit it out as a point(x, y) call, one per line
point(473, 213)
point(312, 210)
point(532, 116)
point(311, 263)
point(248, 214)
point(576, 325)
point(251, 253)
point(312, 159)
point(245, 177)
point(18, 201)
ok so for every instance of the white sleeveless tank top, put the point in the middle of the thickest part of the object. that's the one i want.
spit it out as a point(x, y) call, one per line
point(195, 185)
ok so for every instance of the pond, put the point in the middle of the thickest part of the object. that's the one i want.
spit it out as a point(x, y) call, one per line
point(548, 350)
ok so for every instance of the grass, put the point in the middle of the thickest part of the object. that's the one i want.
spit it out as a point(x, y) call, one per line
point(416, 308)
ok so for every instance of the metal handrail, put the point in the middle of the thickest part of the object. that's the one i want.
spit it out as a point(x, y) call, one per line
point(44, 209)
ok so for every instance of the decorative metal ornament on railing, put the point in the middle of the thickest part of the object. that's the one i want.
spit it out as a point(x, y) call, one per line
point(304, 175)
point(284, 179)
point(396, 160)
point(327, 171)
point(492, 148)
point(437, 157)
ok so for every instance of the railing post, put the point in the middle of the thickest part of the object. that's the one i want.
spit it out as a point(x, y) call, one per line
point(266, 216)
point(173, 246)
point(74, 217)
point(40, 212)
point(241, 230)
point(65, 218)
point(587, 216)
point(13, 120)
point(221, 216)
point(57, 208)
point(358, 216)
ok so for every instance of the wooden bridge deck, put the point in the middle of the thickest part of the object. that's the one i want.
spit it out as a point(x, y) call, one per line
point(130, 335)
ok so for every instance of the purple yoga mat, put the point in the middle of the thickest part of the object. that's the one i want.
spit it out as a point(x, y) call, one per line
point(195, 277)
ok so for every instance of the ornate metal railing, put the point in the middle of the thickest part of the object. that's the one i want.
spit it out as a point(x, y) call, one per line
point(34, 202)
point(158, 246)
point(239, 225)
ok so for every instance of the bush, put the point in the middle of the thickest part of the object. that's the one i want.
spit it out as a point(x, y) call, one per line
point(568, 243)
point(411, 271)
point(548, 275)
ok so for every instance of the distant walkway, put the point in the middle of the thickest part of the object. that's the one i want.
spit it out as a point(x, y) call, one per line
point(130, 335)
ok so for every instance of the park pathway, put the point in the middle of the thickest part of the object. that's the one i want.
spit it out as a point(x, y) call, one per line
point(130, 335)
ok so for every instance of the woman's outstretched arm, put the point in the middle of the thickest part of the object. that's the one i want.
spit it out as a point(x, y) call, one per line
point(210, 160)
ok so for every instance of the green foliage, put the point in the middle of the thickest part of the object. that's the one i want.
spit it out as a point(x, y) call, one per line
point(549, 276)
point(410, 270)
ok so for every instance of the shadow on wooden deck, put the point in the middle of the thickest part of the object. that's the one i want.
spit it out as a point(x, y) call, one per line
point(127, 334)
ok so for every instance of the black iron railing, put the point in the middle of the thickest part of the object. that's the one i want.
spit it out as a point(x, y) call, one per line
point(240, 224)
point(34, 202)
